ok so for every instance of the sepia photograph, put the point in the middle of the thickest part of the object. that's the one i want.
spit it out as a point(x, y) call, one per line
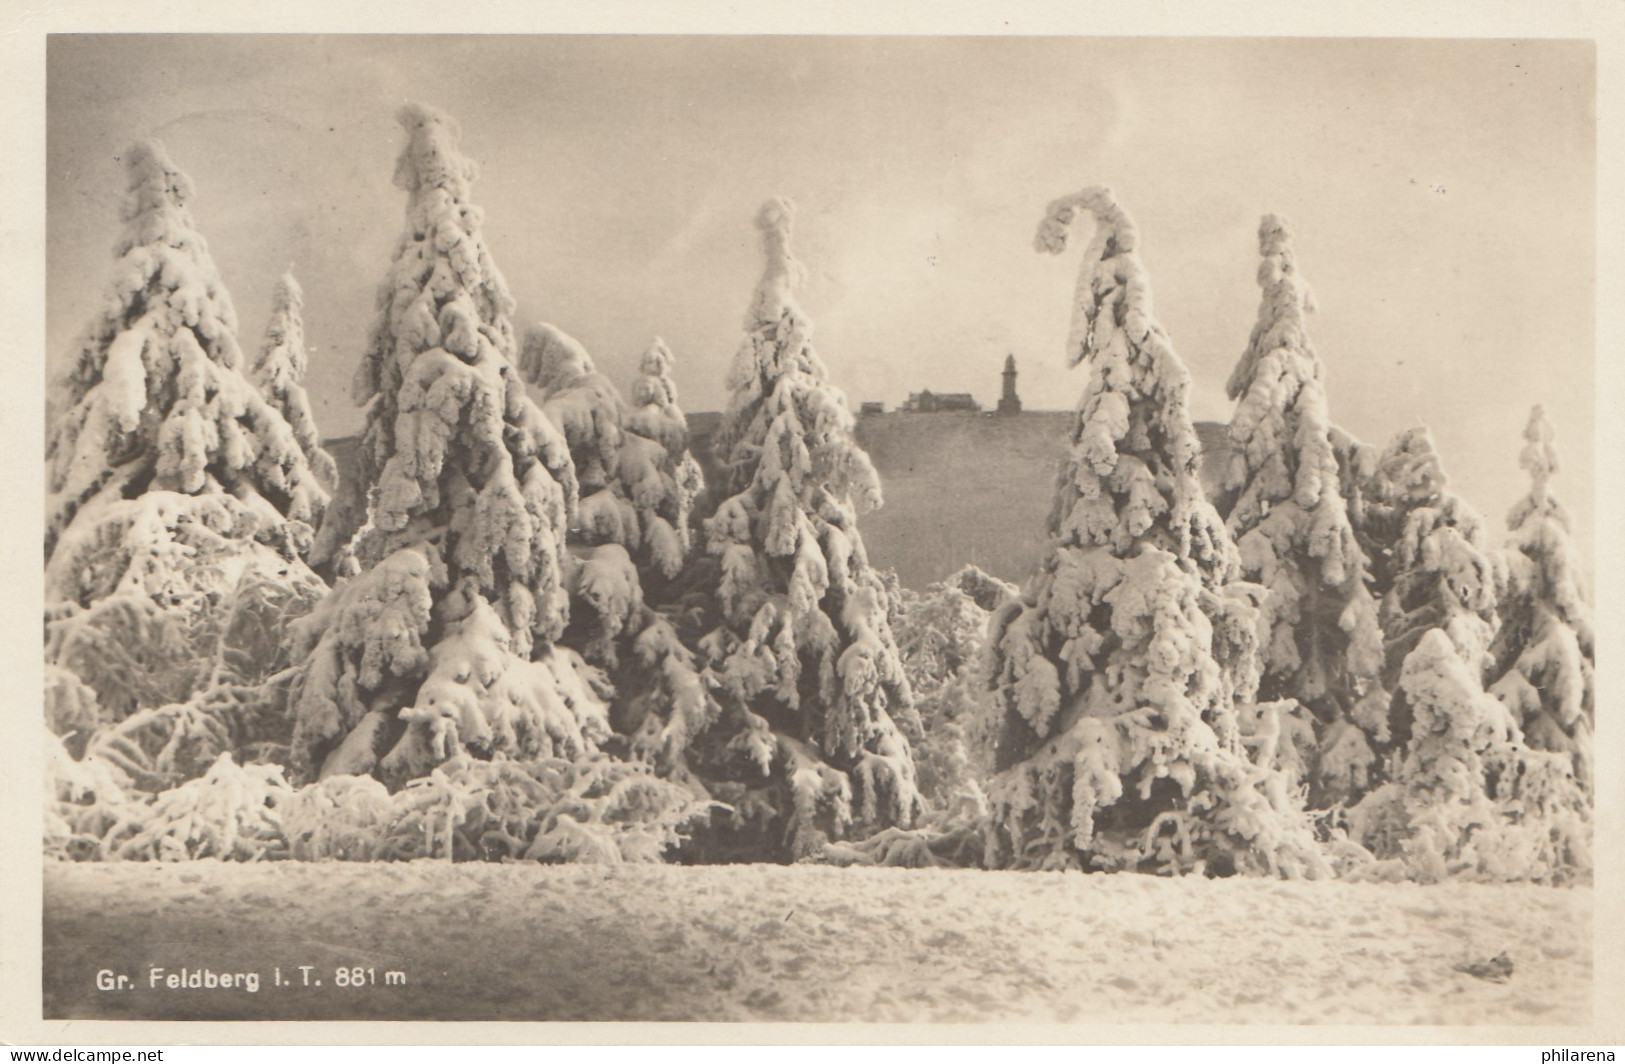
point(878, 528)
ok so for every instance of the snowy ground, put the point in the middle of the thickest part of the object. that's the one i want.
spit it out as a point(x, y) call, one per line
point(806, 943)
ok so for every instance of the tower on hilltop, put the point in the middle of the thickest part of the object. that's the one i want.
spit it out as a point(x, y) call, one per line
point(1009, 401)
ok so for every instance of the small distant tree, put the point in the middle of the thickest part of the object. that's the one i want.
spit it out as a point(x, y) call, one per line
point(800, 652)
point(444, 644)
point(1290, 519)
point(1112, 682)
point(279, 373)
point(181, 503)
point(1544, 654)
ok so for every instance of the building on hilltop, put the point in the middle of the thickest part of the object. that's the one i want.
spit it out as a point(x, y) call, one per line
point(929, 402)
point(1009, 401)
point(926, 401)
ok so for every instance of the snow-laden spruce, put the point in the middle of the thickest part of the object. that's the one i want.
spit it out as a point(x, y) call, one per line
point(156, 399)
point(1113, 682)
point(638, 484)
point(180, 504)
point(803, 658)
point(1433, 557)
point(1322, 644)
point(1467, 797)
point(1544, 653)
point(444, 641)
point(279, 372)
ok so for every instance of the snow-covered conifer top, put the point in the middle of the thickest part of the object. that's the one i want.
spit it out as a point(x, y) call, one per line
point(781, 272)
point(430, 159)
point(1410, 469)
point(441, 265)
point(552, 359)
point(160, 237)
point(1115, 235)
point(160, 244)
point(579, 400)
point(279, 373)
point(782, 407)
point(283, 359)
point(1133, 437)
point(450, 431)
point(654, 386)
point(655, 410)
point(1540, 529)
point(1540, 452)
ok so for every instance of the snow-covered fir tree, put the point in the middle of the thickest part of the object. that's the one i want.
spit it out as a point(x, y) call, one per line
point(1544, 654)
point(155, 398)
point(280, 369)
point(638, 483)
point(1432, 557)
point(1466, 796)
point(1286, 511)
point(445, 640)
point(180, 504)
point(1113, 681)
point(802, 657)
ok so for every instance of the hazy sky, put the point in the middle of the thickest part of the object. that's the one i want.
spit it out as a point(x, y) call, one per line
point(1442, 193)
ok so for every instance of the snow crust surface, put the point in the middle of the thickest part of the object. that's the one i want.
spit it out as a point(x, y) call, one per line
point(811, 943)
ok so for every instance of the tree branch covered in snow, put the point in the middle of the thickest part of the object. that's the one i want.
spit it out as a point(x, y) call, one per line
point(940, 635)
point(637, 481)
point(444, 639)
point(1112, 682)
point(595, 810)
